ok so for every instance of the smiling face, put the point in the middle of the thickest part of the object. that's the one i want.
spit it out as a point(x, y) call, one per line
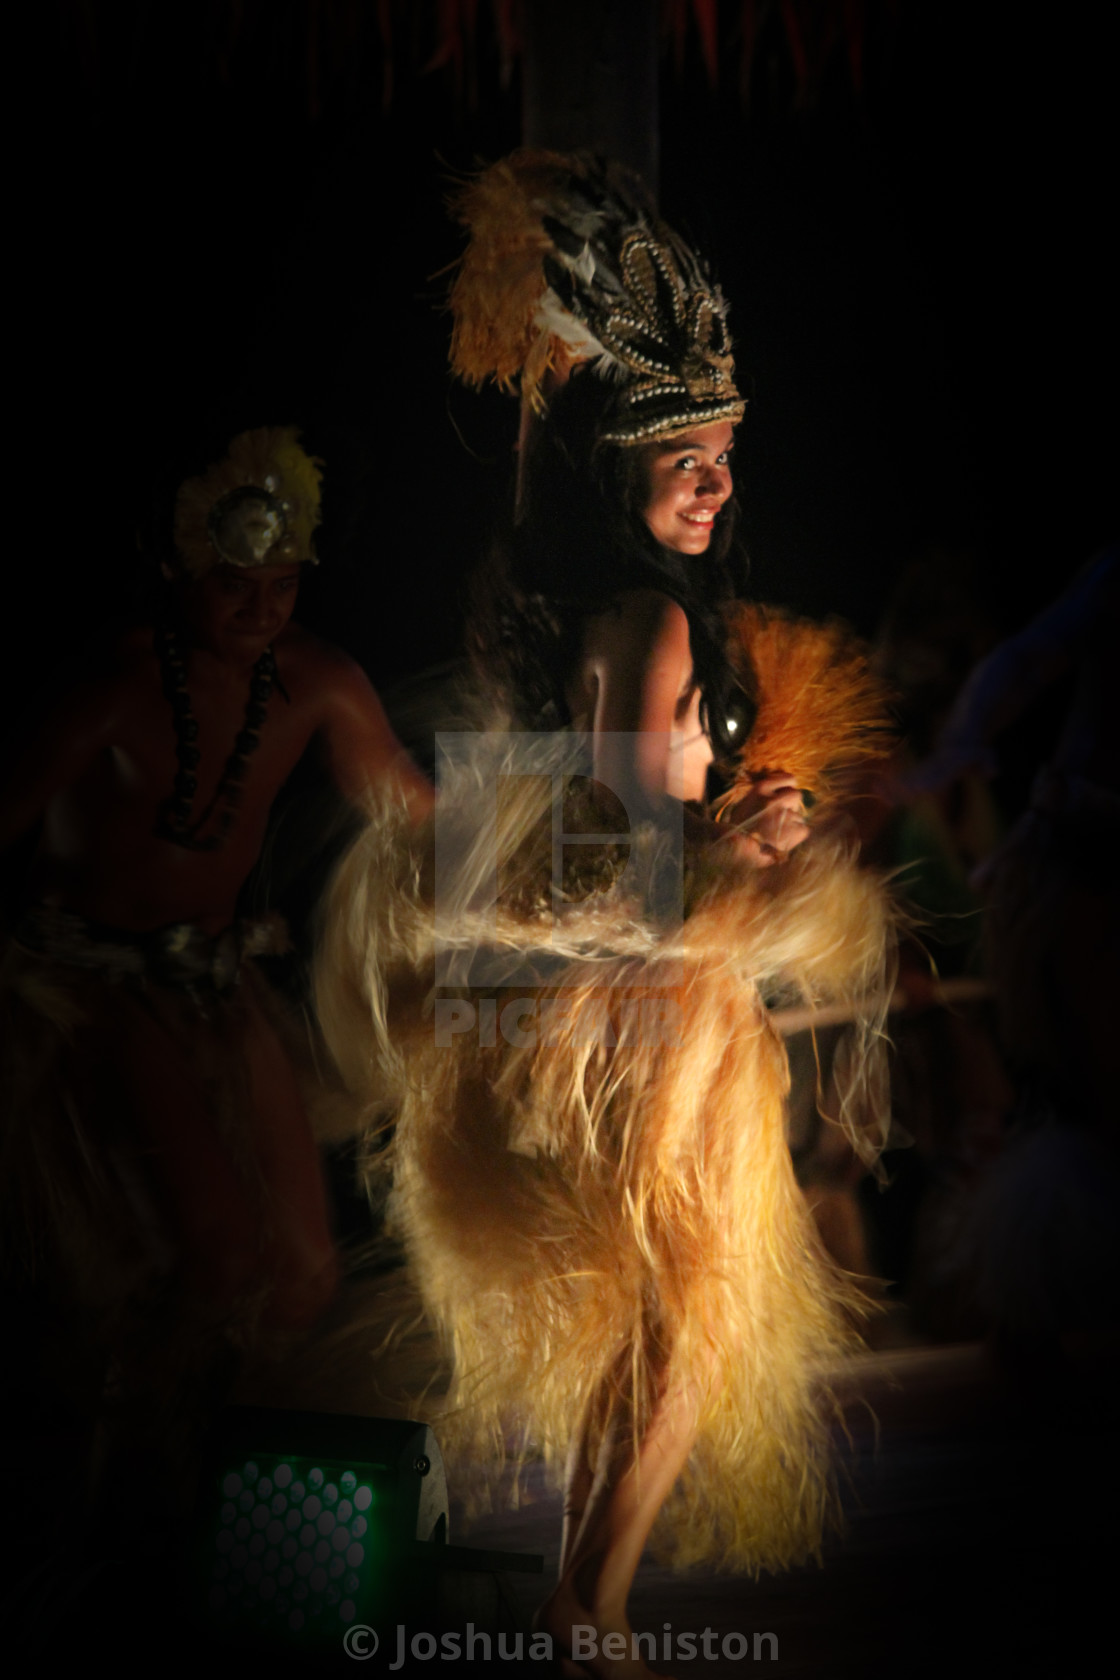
point(688, 479)
point(239, 610)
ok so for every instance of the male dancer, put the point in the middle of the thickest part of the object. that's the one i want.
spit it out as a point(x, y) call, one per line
point(155, 1136)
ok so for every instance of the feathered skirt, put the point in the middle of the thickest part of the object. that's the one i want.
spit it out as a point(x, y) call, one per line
point(590, 1174)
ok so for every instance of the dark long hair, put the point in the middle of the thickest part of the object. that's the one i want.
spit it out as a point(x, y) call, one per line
point(575, 542)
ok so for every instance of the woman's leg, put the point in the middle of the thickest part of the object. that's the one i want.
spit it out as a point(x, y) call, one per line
point(608, 1518)
point(579, 1480)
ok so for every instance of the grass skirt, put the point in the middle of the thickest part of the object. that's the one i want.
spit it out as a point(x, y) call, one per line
point(590, 1212)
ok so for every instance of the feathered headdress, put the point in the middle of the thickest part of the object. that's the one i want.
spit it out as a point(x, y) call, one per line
point(257, 507)
point(568, 261)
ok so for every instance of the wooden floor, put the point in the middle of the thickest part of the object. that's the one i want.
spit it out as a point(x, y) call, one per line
point(978, 1538)
point(978, 1541)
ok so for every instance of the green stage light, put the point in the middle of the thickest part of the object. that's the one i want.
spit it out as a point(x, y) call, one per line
point(309, 1523)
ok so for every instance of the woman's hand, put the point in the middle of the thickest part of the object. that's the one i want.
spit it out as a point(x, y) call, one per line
point(766, 825)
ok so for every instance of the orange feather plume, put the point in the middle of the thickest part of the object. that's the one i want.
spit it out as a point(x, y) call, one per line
point(500, 282)
point(822, 712)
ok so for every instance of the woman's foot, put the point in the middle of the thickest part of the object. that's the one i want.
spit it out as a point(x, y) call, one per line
point(592, 1644)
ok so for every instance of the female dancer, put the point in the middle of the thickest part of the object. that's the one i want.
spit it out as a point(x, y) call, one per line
point(605, 612)
point(602, 1221)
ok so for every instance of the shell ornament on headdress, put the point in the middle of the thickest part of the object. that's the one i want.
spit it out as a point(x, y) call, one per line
point(568, 261)
point(257, 507)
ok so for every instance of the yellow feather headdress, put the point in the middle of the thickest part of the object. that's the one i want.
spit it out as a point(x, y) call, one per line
point(568, 261)
point(259, 506)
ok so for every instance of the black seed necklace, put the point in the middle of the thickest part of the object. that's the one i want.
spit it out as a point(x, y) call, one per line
point(174, 821)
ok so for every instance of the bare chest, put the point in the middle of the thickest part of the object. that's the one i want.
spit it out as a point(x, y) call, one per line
point(222, 747)
point(105, 850)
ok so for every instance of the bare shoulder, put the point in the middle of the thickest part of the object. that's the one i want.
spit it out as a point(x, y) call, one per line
point(321, 675)
point(306, 659)
point(342, 702)
point(112, 680)
point(643, 624)
point(102, 707)
point(651, 609)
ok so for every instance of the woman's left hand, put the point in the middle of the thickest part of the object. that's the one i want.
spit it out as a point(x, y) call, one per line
point(769, 822)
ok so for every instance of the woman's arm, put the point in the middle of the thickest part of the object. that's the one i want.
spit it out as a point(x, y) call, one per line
point(639, 660)
point(640, 663)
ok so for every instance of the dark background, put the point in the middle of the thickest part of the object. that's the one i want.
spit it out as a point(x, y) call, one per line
point(232, 215)
point(217, 219)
